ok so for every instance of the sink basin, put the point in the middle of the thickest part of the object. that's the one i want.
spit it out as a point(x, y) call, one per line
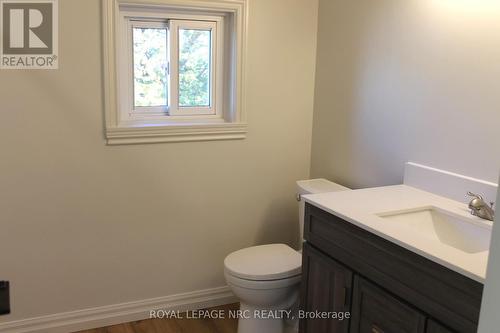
point(447, 228)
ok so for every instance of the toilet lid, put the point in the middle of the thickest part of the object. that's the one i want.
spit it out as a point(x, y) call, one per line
point(264, 262)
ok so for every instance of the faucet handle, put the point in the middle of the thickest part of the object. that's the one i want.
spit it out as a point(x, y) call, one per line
point(478, 207)
point(476, 196)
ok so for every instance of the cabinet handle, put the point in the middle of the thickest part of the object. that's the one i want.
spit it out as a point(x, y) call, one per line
point(344, 296)
point(376, 329)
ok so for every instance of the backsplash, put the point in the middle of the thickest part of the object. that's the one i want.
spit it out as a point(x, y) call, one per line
point(448, 184)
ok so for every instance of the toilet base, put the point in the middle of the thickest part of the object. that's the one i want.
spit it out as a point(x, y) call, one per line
point(252, 322)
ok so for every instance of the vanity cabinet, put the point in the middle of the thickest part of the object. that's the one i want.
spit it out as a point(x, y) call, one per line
point(385, 287)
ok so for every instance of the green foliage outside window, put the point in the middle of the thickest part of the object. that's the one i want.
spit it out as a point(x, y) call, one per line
point(151, 61)
point(194, 67)
point(150, 66)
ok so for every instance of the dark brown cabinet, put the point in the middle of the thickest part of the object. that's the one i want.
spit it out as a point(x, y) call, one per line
point(376, 311)
point(435, 327)
point(327, 289)
point(384, 287)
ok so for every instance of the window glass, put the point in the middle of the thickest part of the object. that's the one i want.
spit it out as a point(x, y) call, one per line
point(150, 67)
point(194, 67)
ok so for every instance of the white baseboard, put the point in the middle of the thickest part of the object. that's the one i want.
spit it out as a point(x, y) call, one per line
point(447, 184)
point(119, 313)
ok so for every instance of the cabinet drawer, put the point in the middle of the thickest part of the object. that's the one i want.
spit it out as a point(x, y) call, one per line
point(376, 311)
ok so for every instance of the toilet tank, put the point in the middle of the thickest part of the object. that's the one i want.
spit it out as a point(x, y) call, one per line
point(312, 186)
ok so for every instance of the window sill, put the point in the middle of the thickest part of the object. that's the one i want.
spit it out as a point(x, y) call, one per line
point(175, 133)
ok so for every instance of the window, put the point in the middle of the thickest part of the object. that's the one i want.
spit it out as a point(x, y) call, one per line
point(174, 68)
point(150, 62)
point(194, 61)
point(174, 72)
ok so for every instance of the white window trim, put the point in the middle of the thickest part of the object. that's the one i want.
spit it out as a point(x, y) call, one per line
point(229, 123)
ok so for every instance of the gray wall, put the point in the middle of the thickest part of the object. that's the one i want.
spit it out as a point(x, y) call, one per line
point(399, 81)
point(82, 222)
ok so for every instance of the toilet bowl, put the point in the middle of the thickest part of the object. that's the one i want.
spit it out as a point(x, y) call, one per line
point(266, 278)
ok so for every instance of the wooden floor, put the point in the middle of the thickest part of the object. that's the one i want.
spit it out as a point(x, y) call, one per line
point(176, 325)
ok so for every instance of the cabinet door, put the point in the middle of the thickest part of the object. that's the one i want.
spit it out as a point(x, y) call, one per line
point(326, 289)
point(435, 327)
point(376, 311)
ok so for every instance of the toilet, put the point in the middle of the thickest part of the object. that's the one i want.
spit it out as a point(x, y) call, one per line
point(266, 278)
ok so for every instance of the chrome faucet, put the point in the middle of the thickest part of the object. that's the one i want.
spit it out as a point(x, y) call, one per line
point(478, 207)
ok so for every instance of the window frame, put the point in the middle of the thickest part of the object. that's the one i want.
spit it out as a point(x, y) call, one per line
point(225, 119)
point(216, 61)
point(172, 111)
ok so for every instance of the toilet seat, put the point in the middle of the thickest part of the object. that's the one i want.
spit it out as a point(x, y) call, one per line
point(264, 263)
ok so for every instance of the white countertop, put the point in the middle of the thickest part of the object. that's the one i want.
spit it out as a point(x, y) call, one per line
point(360, 207)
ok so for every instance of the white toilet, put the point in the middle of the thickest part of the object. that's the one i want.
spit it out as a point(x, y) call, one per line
point(266, 278)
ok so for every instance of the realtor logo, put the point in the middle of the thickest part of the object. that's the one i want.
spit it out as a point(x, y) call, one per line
point(29, 34)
